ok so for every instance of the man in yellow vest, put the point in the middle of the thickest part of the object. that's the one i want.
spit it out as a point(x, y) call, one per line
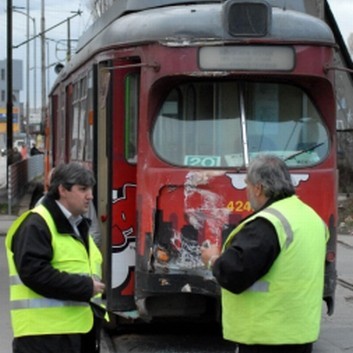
point(271, 269)
point(55, 270)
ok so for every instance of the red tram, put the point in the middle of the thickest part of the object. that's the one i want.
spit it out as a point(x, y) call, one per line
point(168, 101)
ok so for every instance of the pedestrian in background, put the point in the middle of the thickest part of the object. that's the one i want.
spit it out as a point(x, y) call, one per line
point(14, 155)
point(34, 150)
point(23, 151)
point(55, 270)
point(271, 269)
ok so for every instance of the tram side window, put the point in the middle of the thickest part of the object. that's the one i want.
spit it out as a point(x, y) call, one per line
point(79, 119)
point(61, 126)
point(132, 90)
point(82, 121)
point(89, 135)
point(75, 121)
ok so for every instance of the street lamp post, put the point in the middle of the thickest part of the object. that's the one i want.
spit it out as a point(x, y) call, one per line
point(9, 102)
point(27, 78)
point(43, 38)
point(42, 41)
point(34, 65)
point(17, 10)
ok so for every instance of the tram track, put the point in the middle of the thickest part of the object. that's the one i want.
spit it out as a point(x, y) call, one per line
point(345, 284)
point(345, 244)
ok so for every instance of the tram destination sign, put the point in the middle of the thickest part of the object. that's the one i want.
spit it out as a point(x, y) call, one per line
point(278, 58)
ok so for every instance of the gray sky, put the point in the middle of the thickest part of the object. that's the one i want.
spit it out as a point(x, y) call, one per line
point(343, 11)
point(56, 11)
point(59, 10)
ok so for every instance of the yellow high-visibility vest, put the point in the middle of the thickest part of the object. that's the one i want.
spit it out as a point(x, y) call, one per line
point(33, 314)
point(284, 306)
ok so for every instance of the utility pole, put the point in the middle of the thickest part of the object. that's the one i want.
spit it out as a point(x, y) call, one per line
point(44, 93)
point(68, 55)
point(35, 65)
point(9, 104)
point(34, 38)
point(43, 44)
point(27, 81)
point(28, 17)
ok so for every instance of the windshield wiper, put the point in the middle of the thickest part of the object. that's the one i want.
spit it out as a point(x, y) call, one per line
point(304, 151)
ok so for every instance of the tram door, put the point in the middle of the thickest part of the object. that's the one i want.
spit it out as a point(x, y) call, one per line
point(102, 172)
point(121, 129)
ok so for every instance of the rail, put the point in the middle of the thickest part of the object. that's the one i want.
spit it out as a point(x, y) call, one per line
point(20, 175)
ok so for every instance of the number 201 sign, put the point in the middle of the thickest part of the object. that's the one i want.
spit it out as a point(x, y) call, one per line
point(202, 161)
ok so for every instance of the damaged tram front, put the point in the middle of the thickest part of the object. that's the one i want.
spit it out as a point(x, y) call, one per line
point(206, 112)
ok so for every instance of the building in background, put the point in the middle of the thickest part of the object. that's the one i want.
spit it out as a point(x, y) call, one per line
point(17, 104)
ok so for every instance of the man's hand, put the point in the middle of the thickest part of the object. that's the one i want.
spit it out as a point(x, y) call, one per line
point(98, 287)
point(209, 253)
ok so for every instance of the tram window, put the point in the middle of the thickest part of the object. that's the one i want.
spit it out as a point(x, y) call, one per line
point(131, 116)
point(82, 121)
point(199, 124)
point(79, 120)
point(75, 121)
point(89, 135)
point(61, 126)
point(281, 119)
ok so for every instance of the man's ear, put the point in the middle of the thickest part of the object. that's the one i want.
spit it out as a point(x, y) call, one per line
point(258, 189)
point(61, 190)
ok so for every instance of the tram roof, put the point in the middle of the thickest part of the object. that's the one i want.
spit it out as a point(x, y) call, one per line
point(161, 19)
point(183, 23)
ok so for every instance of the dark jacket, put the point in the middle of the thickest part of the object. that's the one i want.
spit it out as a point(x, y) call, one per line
point(33, 253)
point(250, 256)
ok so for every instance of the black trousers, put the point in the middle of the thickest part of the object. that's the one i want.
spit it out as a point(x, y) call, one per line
point(295, 348)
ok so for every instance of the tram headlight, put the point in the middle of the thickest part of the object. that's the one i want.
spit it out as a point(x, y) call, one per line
point(251, 18)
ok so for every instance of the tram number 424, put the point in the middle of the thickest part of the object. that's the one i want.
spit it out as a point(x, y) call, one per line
point(239, 206)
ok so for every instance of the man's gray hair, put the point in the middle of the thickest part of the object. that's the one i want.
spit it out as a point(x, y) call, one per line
point(68, 175)
point(273, 174)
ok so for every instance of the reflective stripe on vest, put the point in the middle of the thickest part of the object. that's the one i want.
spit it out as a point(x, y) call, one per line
point(44, 303)
point(259, 286)
point(286, 226)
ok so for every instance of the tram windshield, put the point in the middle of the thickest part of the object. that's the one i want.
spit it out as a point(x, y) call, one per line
point(226, 124)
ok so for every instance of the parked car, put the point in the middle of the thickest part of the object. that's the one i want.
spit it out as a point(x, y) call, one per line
point(18, 144)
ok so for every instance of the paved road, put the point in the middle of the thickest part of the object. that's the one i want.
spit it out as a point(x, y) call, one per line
point(336, 332)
